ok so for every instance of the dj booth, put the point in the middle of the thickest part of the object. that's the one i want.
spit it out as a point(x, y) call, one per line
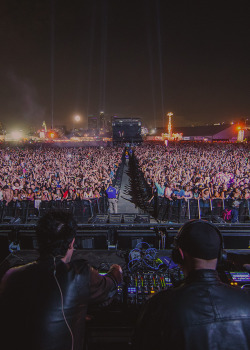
point(142, 247)
point(146, 271)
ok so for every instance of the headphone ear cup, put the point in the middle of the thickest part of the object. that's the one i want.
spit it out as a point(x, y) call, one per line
point(176, 256)
point(222, 256)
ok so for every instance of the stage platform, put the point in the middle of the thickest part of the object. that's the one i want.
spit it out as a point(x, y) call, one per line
point(119, 232)
point(111, 327)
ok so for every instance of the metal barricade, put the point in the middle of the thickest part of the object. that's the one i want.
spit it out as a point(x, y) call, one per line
point(228, 203)
point(103, 205)
point(44, 207)
point(177, 210)
point(27, 211)
point(9, 212)
point(217, 207)
point(181, 210)
point(193, 209)
point(95, 206)
point(205, 206)
point(82, 210)
point(244, 214)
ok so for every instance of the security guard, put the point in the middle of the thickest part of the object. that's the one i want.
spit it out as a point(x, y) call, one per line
point(112, 198)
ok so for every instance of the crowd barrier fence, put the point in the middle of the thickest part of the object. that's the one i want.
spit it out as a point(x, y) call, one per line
point(27, 211)
point(179, 211)
point(220, 210)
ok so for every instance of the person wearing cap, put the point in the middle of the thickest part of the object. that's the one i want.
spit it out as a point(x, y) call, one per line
point(201, 312)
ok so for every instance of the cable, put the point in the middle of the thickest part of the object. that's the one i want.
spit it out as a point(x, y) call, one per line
point(147, 253)
point(152, 267)
point(62, 305)
point(139, 260)
point(18, 257)
point(133, 250)
point(245, 285)
point(147, 258)
point(140, 243)
point(151, 249)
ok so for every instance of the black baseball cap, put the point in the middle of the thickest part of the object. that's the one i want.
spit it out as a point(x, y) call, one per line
point(201, 239)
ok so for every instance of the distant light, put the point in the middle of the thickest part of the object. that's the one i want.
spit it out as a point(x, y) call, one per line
point(52, 134)
point(232, 123)
point(77, 118)
point(17, 135)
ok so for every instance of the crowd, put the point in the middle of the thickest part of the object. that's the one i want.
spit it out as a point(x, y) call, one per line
point(45, 172)
point(196, 170)
point(181, 170)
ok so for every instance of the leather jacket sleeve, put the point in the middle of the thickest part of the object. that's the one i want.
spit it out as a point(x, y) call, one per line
point(104, 287)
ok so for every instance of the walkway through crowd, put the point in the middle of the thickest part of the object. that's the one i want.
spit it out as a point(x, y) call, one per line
point(127, 203)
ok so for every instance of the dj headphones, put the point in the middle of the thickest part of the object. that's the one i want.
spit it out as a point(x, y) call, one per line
point(67, 232)
point(176, 255)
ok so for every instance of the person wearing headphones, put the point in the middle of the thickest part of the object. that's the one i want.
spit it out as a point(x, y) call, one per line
point(44, 303)
point(202, 312)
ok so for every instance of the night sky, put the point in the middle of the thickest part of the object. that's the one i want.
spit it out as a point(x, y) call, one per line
point(140, 58)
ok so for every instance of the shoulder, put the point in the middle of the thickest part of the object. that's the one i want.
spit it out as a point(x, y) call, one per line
point(234, 298)
point(18, 272)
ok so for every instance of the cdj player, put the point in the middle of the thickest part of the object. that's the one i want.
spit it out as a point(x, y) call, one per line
point(238, 278)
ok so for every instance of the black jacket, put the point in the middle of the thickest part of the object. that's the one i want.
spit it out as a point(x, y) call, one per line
point(31, 299)
point(202, 313)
